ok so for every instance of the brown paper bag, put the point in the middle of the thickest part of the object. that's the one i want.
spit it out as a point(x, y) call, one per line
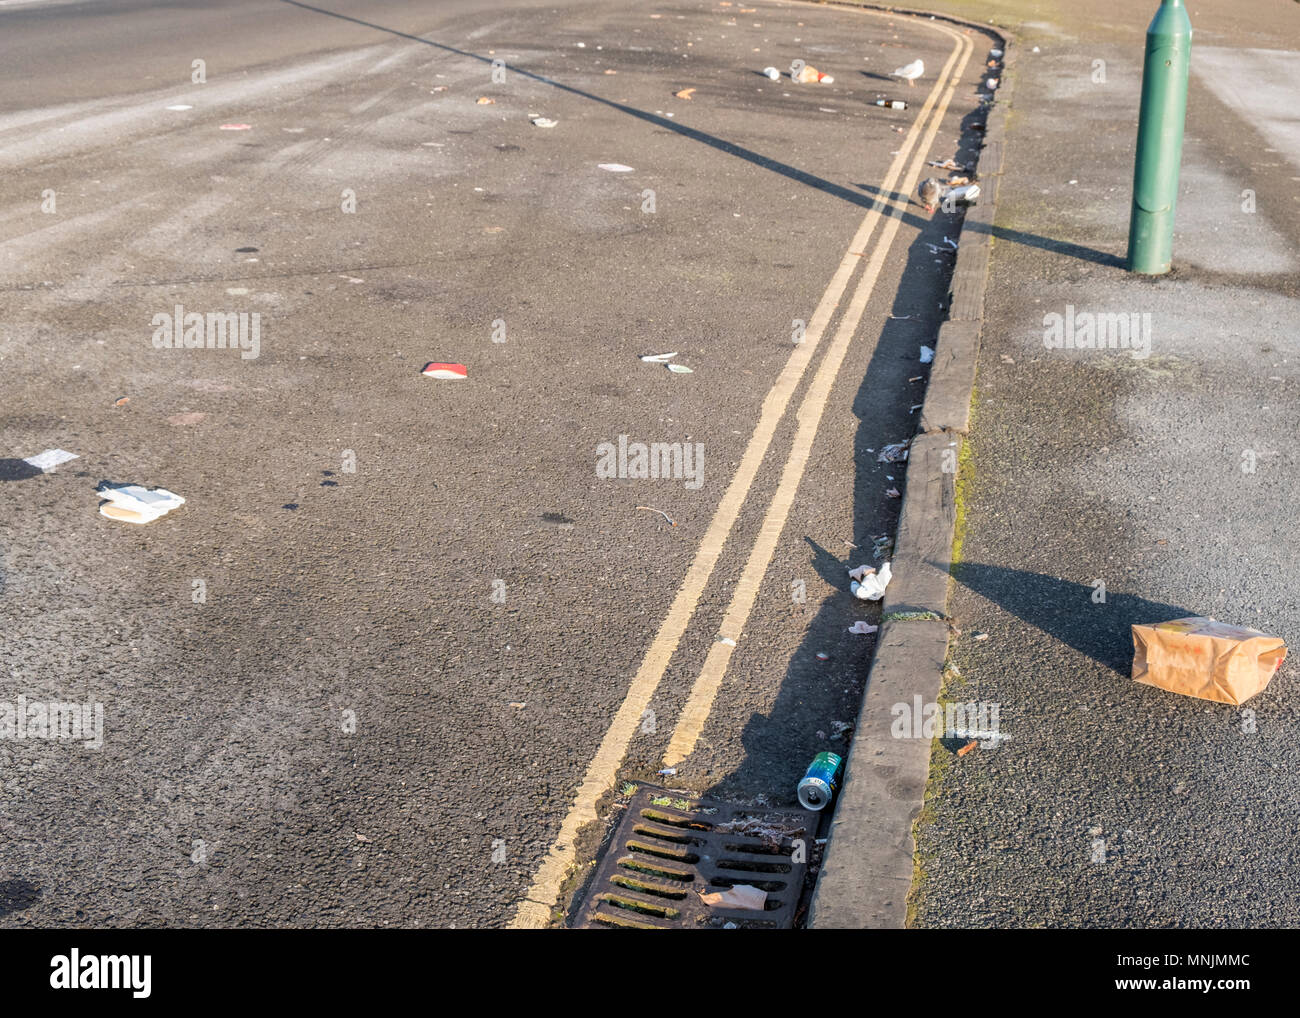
point(1204, 658)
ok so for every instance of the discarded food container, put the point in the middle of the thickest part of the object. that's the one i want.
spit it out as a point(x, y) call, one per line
point(818, 785)
point(772, 73)
point(1211, 660)
point(893, 104)
point(809, 75)
point(132, 503)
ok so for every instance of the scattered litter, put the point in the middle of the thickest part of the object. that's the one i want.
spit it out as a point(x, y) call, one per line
point(927, 354)
point(892, 104)
point(484, 100)
point(610, 70)
point(928, 193)
point(518, 705)
point(668, 772)
point(949, 164)
point(658, 358)
point(894, 452)
point(730, 926)
point(615, 167)
point(872, 585)
point(179, 107)
point(772, 73)
point(684, 93)
point(49, 459)
point(726, 640)
point(236, 127)
point(823, 656)
point(671, 522)
point(745, 896)
point(998, 52)
point(543, 122)
point(122, 401)
point(681, 369)
point(132, 503)
point(894, 492)
point(992, 83)
point(809, 75)
point(979, 636)
point(436, 369)
point(861, 628)
point(973, 744)
point(1034, 50)
point(916, 378)
point(1204, 658)
point(838, 728)
point(817, 787)
point(910, 72)
point(882, 546)
point(964, 195)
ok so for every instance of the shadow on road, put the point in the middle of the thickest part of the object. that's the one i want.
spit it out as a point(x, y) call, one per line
point(1064, 610)
point(713, 141)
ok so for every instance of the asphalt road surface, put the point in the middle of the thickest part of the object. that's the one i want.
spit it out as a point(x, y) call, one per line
point(407, 636)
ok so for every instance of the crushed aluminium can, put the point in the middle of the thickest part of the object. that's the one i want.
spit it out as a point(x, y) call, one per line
point(818, 785)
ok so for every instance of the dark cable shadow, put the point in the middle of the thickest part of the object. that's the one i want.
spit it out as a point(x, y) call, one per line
point(1063, 247)
point(1064, 610)
point(730, 148)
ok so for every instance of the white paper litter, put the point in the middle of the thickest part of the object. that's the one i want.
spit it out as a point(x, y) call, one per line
point(927, 354)
point(147, 504)
point(49, 459)
point(872, 585)
point(861, 628)
point(615, 167)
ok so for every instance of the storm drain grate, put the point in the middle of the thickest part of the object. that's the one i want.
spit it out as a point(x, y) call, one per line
point(669, 848)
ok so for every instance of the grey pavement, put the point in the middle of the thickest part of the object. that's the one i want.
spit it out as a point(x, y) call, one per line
point(1171, 478)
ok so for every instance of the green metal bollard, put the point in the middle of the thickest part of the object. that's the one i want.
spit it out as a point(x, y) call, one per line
point(1160, 139)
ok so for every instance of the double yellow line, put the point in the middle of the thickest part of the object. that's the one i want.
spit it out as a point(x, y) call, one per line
point(886, 211)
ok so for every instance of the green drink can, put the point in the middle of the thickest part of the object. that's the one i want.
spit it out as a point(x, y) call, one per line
point(820, 782)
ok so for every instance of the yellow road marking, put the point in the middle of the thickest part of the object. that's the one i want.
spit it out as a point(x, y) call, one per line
point(705, 689)
point(535, 910)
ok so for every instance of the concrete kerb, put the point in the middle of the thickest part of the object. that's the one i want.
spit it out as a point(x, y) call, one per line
point(866, 872)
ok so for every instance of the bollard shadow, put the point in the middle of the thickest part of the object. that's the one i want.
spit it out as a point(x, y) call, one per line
point(1065, 611)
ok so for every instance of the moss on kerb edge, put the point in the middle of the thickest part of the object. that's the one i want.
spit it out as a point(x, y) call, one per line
point(940, 759)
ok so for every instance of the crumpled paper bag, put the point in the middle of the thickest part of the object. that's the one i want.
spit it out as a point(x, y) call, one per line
point(1207, 659)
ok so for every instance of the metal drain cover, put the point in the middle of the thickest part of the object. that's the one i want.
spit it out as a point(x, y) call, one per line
point(669, 849)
